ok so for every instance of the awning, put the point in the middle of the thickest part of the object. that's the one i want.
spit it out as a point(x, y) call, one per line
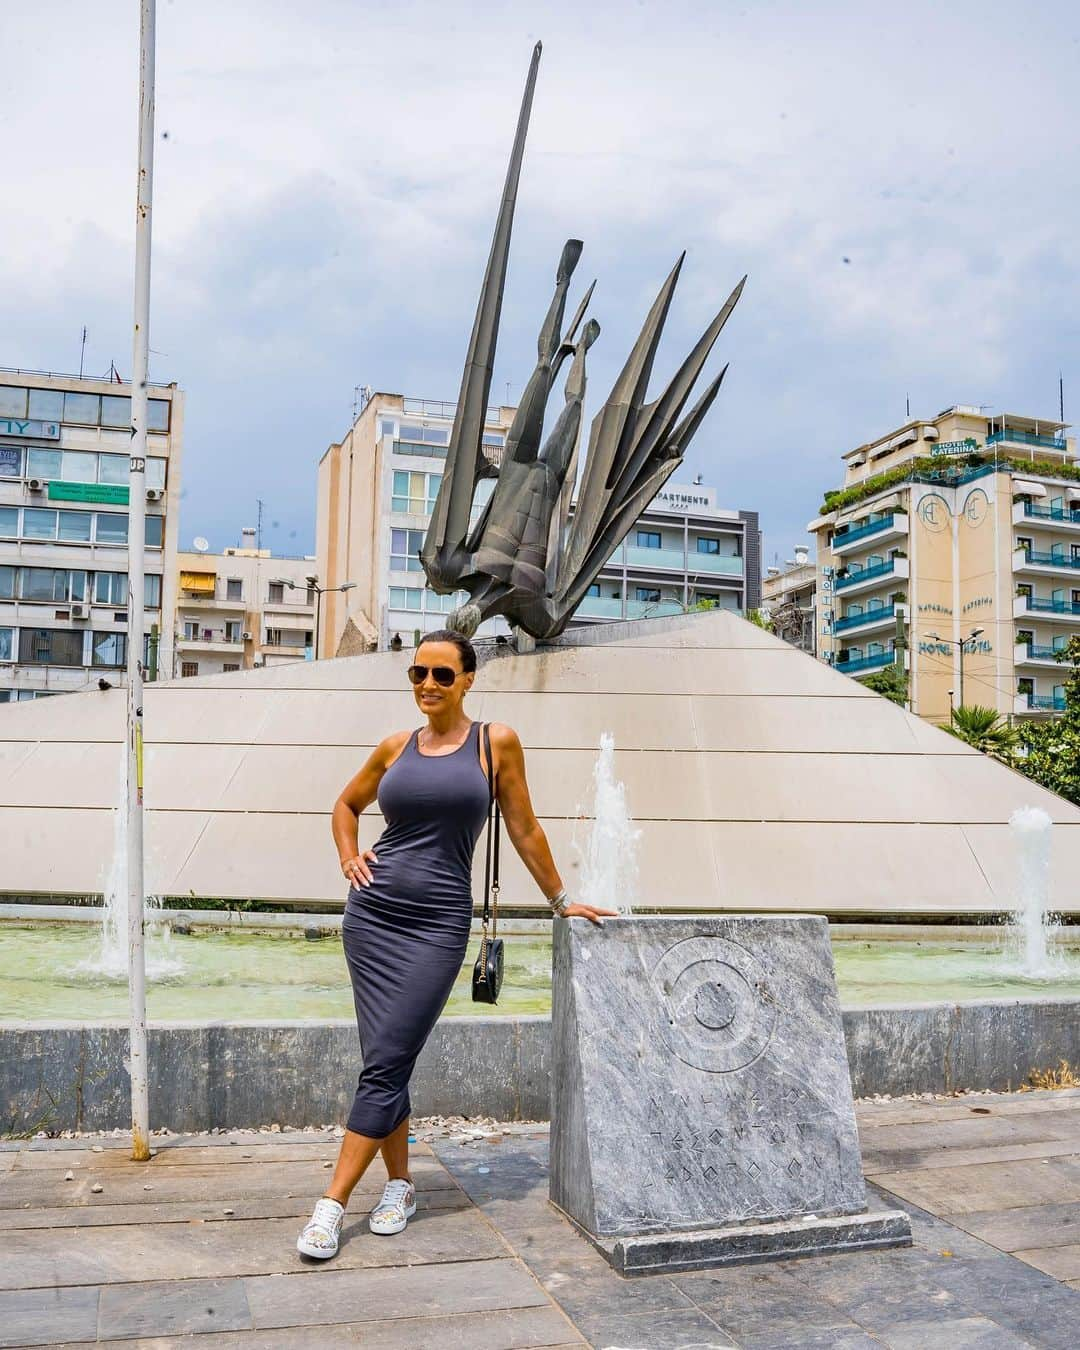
point(1025, 487)
point(1072, 494)
point(820, 522)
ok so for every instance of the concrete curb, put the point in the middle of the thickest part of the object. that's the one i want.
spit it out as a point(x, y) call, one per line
point(64, 1076)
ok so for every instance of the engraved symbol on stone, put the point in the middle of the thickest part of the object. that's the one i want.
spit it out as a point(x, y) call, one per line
point(717, 1012)
point(794, 1167)
point(715, 1136)
point(792, 1095)
point(669, 1175)
point(677, 1141)
point(710, 1173)
point(753, 1171)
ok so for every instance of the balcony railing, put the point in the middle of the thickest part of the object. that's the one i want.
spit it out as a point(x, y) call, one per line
point(865, 574)
point(1047, 702)
point(1034, 512)
point(865, 663)
point(1051, 559)
point(1037, 606)
point(1033, 652)
point(1026, 438)
point(861, 531)
point(872, 615)
point(608, 607)
point(674, 560)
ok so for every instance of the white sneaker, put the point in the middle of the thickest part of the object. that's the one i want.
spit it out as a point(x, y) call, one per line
point(395, 1209)
point(321, 1232)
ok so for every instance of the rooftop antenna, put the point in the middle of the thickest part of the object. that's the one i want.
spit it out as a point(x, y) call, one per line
point(82, 351)
point(907, 399)
point(258, 523)
point(1061, 397)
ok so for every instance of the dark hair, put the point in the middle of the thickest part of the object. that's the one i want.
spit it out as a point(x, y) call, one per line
point(466, 650)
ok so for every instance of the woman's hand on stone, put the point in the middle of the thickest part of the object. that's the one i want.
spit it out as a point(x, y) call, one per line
point(358, 870)
point(577, 911)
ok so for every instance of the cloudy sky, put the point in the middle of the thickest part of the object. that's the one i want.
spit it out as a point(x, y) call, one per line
point(901, 184)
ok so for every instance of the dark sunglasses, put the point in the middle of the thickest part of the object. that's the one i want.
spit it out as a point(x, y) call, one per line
point(443, 675)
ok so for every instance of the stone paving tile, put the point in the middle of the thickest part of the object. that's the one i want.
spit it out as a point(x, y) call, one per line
point(43, 1258)
point(963, 1333)
point(208, 1211)
point(1029, 1226)
point(368, 1295)
point(46, 1316)
point(876, 1161)
point(964, 1190)
point(173, 1307)
point(1061, 1262)
point(967, 1105)
point(764, 1304)
point(680, 1330)
point(512, 1329)
point(973, 1132)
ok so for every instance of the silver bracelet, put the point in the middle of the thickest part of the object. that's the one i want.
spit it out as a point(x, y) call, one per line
point(559, 903)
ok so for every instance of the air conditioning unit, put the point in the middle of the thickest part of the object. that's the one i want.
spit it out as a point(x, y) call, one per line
point(80, 611)
point(245, 637)
point(36, 484)
point(154, 494)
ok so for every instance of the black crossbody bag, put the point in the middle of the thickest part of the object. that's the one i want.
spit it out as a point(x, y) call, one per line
point(488, 972)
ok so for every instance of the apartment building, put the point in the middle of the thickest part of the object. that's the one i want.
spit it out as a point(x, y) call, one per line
point(962, 533)
point(64, 446)
point(241, 608)
point(376, 493)
point(789, 600)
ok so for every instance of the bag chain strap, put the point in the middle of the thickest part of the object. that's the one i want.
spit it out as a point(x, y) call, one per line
point(491, 859)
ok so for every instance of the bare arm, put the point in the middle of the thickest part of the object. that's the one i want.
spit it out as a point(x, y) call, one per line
point(356, 797)
point(525, 831)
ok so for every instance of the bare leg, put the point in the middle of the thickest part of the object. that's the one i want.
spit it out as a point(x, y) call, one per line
point(395, 1152)
point(357, 1151)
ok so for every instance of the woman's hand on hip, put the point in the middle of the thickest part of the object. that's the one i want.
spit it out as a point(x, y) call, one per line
point(577, 911)
point(358, 870)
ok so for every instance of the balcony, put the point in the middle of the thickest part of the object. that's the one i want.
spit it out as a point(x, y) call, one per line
point(209, 602)
point(673, 560)
point(1025, 704)
point(1053, 517)
point(873, 617)
point(869, 578)
point(211, 640)
point(607, 607)
point(1026, 438)
point(1025, 606)
point(289, 608)
point(894, 525)
point(1034, 560)
point(862, 664)
point(1032, 654)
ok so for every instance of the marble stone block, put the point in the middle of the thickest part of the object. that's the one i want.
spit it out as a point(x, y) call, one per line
point(700, 1091)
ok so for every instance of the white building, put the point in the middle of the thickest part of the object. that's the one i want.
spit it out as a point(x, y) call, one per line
point(242, 608)
point(377, 489)
point(64, 444)
point(789, 600)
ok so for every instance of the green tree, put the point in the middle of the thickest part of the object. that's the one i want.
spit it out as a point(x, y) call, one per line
point(1052, 757)
point(890, 683)
point(759, 619)
point(983, 729)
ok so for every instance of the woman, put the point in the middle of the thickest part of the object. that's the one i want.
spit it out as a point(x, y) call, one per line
point(409, 910)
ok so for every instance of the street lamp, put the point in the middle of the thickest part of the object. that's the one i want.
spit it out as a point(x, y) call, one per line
point(962, 644)
point(312, 584)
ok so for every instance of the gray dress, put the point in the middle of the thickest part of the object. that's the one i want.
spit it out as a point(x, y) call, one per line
point(406, 934)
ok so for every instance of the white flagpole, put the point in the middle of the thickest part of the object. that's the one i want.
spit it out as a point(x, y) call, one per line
point(136, 900)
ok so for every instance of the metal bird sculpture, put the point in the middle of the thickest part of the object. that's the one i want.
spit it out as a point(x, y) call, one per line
point(528, 555)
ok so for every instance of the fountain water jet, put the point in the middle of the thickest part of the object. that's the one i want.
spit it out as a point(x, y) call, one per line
point(1031, 926)
point(609, 875)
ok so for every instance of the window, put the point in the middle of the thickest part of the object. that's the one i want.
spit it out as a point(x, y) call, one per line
point(151, 590)
point(227, 667)
point(157, 414)
point(47, 584)
point(648, 538)
point(1023, 542)
point(115, 411)
point(11, 461)
point(708, 546)
point(1025, 687)
point(155, 472)
point(43, 463)
point(75, 526)
point(277, 593)
point(406, 597)
point(9, 522)
point(113, 469)
point(110, 588)
point(7, 644)
point(39, 524)
point(309, 637)
point(50, 646)
point(82, 409)
point(154, 531)
point(405, 546)
point(234, 588)
point(648, 593)
point(191, 630)
point(415, 492)
point(1024, 588)
point(188, 668)
point(12, 401)
point(594, 590)
point(273, 637)
point(47, 405)
point(76, 466)
point(109, 649)
point(493, 438)
point(7, 583)
point(427, 435)
point(110, 528)
point(232, 630)
point(386, 427)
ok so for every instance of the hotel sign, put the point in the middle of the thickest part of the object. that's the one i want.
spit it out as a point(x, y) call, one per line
point(20, 426)
point(968, 446)
point(102, 493)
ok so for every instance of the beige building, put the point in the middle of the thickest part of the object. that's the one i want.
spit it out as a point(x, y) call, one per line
point(242, 608)
point(377, 489)
point(64, 444)
point(960, 533)
point(789, 600)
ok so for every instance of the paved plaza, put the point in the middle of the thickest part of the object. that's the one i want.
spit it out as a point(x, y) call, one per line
point(195, 1248)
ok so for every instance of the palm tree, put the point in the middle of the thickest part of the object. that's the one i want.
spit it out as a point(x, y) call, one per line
point(984, 730)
